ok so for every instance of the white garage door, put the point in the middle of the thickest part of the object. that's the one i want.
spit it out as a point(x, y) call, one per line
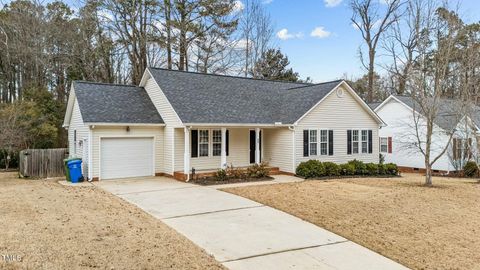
point(126, 157)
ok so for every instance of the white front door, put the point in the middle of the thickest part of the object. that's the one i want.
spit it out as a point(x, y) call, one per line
point(126, 157)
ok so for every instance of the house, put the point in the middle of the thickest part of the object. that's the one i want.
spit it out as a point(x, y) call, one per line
point(175, 121)
point(398, 138)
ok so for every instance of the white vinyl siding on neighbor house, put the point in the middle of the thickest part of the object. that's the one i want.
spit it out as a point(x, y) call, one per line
point(338, 114)
point(278, 148)
point(76, 148)
point(160, 101)
point(99, 132)
point(400, 126)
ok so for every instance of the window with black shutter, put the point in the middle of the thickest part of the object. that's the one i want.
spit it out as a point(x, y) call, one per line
point(194, 143)
point(305, 143)
point(227, 141)
point(370, 146)
point(330, 142)
point(349, 142)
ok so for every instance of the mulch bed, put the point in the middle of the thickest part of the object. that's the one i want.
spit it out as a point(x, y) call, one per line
point(209, 181)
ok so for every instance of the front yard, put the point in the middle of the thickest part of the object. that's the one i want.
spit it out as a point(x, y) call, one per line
point(420, 227)
point(50, 226)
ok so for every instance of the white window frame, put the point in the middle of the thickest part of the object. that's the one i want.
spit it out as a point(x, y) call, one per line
point(203, 143)
point(384, 143)
point(310, 142)
point(357, 141)
point(216, 143)
point(325, 142)
point(364, 132)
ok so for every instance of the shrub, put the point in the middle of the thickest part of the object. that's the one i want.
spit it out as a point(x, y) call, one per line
point(470, 169)
point(391, 168)
point(310, 169)
point(382, 169)
point(236, 173)
point(371, 168)
point(347, 169)
point(258, 170)
point(220, 175)
point(360, 168)
point(331, 169)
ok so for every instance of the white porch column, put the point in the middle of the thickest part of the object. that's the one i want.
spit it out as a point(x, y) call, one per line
point(257, 146)
point(186, 159)
point(223, 160)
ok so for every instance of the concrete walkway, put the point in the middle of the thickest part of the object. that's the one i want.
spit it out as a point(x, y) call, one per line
point(243, 234)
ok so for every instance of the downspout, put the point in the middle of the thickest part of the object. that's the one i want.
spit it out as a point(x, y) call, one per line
point(90, 167)
point(292, 128)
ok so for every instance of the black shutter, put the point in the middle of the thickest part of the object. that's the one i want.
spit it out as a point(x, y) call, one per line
point(305, 143)
point(330, 142)
point(349, 142)
point(227, 141)
point(370, 146)
point(194, 144)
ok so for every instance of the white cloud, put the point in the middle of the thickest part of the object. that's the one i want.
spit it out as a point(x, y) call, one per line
point(320, 32)
point(266, 2)
point(239, 6)
point(284, 34)
point(332, 3)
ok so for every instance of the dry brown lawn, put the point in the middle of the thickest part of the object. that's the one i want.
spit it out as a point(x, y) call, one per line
point(57, 227)
point(417, 226)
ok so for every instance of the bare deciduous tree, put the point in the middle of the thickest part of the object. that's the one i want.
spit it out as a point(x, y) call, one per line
point(429, 82)
point(369, 19)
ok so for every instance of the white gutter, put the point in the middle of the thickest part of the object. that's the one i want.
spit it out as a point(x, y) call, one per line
point(123, 124)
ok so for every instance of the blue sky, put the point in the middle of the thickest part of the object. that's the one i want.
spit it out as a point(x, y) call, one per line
point(327, 56)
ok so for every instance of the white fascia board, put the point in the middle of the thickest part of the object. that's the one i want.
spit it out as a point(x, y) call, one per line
point(123, 124)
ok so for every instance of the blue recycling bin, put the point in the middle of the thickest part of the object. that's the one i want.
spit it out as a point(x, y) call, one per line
point(75, 169)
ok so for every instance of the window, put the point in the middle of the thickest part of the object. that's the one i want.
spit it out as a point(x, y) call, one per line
point(203, 143)
point(383, 144)
point(217, 142)
point(323, 142)
point(313, 142)
point(355, 141)
point(364, 141)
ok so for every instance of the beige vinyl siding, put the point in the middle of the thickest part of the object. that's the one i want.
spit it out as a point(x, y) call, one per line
point(169, 149)
point(161, 103)
point(238, 150)
point(278, 148)
point(108, 132)
point(179, 148)
point(338, 114)
point(77, 150)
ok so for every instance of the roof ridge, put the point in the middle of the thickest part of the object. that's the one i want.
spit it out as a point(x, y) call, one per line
point(315, 84)
point(102, 83)
point(230, 76)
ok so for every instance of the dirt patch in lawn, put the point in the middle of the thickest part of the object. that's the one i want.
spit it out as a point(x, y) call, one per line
point(51, 226)
point(420, 227)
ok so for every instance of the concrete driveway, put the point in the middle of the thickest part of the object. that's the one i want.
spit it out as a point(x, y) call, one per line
point(243, 234)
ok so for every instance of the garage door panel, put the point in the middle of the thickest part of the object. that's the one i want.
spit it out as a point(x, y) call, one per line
point(126, 157)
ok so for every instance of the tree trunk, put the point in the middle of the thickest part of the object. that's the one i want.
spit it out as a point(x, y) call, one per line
point(371, 70)
point(169, 37)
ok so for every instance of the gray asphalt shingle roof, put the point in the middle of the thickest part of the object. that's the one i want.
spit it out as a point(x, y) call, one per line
point(204, 98)
point(112, 103)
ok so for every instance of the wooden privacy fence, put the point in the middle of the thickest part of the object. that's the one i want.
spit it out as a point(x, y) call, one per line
point(42, 163)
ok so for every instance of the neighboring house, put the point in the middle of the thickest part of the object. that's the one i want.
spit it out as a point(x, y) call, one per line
point(177, 121)
point(398, 138)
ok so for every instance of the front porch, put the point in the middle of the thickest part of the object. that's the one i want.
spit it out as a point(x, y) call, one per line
point(207, 149)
